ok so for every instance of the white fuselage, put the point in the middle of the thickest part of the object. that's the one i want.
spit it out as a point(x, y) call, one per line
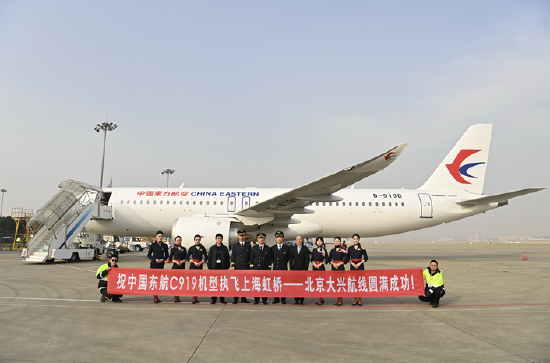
point(368, 212)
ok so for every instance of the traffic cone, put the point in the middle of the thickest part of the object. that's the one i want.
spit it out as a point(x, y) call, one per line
point(524, 257)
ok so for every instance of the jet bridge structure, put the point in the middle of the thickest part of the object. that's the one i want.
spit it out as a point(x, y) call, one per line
point(56, 225)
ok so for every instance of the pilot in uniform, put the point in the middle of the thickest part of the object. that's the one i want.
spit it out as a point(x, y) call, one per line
point(299, 261)
point(178, 255)
point(338, 257)
point(240, 258)
point(281, 255)
point(261, 259)
point(158, 253)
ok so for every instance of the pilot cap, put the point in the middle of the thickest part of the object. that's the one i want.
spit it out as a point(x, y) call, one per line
point(279, 234)
point(241, 232)
point(260, 235)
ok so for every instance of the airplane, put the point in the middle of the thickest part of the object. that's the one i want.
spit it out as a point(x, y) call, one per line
point(325, 207)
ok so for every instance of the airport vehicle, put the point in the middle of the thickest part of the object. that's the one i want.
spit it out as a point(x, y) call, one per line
point(325, 207)
point(135, 243)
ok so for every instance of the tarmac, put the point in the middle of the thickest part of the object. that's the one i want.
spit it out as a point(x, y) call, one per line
point(496, 309)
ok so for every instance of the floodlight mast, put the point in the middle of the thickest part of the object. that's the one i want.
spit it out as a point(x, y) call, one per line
point(168, 172)
point(2, 205)
point(105, 126)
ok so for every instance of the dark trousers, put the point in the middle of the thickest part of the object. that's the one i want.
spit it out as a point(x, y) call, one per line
point(299, 300)
point(433, 294)
point(257, 300)
point(104, 292)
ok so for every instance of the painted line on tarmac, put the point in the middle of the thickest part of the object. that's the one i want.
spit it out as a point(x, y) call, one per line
point(41, 299)
point(78, 268)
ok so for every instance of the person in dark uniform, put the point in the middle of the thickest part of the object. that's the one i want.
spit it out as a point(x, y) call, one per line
point(357, 257)
point(261, 258)
point(178, 255)
point(338, 257)
point(195, 256)
point(240, 258)
point(158, 253)
point(299, 261)
point(318, 258)
point(218, 259)
point(281, 255)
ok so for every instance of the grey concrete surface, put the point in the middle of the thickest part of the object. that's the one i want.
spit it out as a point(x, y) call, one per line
point(497, 309)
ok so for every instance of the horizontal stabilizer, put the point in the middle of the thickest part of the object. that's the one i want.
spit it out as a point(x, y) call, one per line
point(498, 197)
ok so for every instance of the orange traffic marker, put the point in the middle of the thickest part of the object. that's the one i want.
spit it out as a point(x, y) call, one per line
point(524, 257)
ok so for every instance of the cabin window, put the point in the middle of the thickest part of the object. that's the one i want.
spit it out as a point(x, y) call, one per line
point(323, 204)
point(160, 202)
point(383, 204)
point(376, 204)
point(221, 203)
point(207, 203)
point(357, 204)
point(128, 202)
point(350, 204)
point(194, 202)
point(317, 204)
point(389, 204)
point(147, 202)
point(141, 202)
point(154, 202)
point(121, 202)
point(370, 204)
point(402, 204)
point(180, 202)
point(337, 204)
point(363, 204)
point(214, 202)
point(231, 203)
point(174, 202)
point(330, 204)
point(187, 202)
point(134, 202)
point(200, 202)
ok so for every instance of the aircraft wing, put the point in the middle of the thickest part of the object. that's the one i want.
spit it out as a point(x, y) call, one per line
point(500, 198)
point(294, 201)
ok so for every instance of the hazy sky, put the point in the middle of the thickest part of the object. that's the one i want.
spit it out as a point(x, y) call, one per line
point(275, 94)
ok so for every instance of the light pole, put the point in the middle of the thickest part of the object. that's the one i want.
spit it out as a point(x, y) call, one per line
point(2, 205)
point(106, 126)
point(168, 172)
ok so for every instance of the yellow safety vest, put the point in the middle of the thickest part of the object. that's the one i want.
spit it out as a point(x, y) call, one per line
point(436, 279)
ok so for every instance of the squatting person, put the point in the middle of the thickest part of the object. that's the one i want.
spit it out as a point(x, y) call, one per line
point(103, 275)
point(434, 289)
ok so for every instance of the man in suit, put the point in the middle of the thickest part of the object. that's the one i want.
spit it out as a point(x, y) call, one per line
point(281, 255)
point(299, 261)
point(261, 259)
point(240, 258)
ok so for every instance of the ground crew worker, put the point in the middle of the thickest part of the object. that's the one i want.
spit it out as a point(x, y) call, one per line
point(338, 257)
point(158, 253)
point(299, 261)
point(218, 259)
point(103, 275)
point(261, 258)
point(195, 256)
point(281, 255)
point(434, 289)
point(318, 258)
point(178, 255)
point(357, 258)
point(240, 258)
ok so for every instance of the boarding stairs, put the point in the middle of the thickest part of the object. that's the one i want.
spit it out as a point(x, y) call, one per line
point(61, 219)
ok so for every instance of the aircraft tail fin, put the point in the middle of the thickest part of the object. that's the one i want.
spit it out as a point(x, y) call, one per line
point(463, 169)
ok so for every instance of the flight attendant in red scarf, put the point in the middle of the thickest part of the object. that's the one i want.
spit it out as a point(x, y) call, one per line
point(338, 257)
point(158, 254)
point(357, 258)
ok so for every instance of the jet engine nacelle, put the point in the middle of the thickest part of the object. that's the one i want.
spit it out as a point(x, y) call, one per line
point(207, 227)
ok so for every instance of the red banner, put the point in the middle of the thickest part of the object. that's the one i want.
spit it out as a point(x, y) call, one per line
point(266, 283)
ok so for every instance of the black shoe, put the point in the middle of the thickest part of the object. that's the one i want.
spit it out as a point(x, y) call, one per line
point(301, 303)
point(103, 298)
point(284, 302)
point(320, 303)
point(245, 301)
point(435, 306)
point(296, 303)
point(235, 301)
point(264, 302)
point(116, 299)
point(276, 301)
point(354, 304)
point(212, 302)
point(256, 302)
point(338, 304)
